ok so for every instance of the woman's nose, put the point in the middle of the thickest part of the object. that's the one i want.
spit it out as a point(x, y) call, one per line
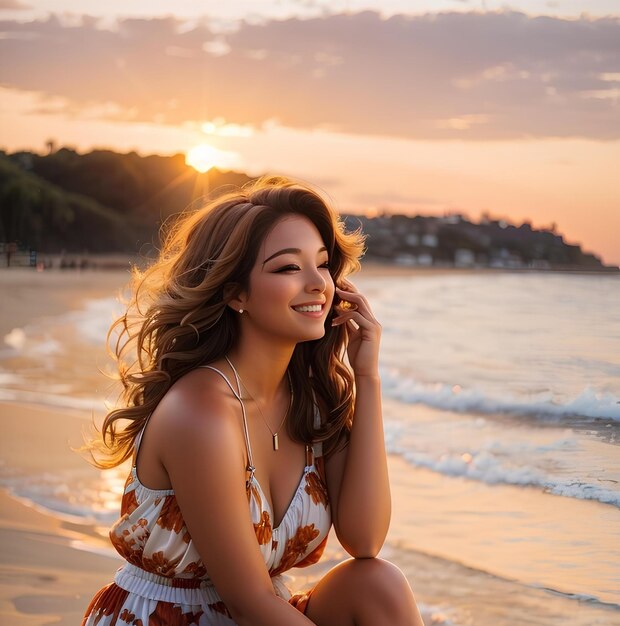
point(315, 283)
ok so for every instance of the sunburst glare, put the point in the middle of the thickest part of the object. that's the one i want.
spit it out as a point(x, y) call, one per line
point(202, 157)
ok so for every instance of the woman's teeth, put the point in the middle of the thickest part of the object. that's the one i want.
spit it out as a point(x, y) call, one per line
point(313, 308)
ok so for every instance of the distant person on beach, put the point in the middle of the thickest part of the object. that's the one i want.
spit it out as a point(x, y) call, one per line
point(249, 434)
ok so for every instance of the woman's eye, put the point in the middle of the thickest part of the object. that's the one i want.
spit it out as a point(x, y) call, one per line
point(288, 268)
point(296, 268)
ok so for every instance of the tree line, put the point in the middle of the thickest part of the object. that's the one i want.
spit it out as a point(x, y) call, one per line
point(101, 201)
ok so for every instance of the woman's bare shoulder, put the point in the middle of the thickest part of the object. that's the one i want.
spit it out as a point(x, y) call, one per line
point(200, 404)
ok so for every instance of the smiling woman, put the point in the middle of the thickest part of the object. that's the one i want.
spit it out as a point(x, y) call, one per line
point(250, 434)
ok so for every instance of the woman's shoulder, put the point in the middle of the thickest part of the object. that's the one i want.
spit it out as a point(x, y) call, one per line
point(199, 403)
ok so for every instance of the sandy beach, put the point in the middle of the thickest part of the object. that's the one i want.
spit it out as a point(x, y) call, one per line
point(50, 566)
point(52, 561)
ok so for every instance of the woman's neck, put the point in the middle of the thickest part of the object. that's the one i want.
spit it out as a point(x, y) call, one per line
point(262, 368)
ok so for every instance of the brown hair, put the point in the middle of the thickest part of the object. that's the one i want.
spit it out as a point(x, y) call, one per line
point(178, 316)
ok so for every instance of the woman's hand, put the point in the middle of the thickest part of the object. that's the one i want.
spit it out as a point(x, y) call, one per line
point(363, 330)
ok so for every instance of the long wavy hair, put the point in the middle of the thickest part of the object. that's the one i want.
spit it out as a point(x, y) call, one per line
point(178, 316)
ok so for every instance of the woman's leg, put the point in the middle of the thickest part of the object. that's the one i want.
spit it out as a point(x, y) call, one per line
point(363, 592)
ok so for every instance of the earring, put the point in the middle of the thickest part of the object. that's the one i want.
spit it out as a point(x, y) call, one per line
point(240, 311)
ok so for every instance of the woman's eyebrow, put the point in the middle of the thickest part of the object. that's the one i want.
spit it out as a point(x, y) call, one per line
point(291, 251)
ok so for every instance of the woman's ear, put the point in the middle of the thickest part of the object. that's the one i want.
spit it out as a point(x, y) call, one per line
point(232, 294)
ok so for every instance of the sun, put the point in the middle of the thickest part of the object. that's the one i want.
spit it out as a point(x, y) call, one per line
point(201, 157)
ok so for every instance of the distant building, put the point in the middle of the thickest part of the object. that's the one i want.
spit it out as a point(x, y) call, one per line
point(13, 254)
point(453, 241)
point(406, 259)
point(425, 259)
point(429, 240)
point(464, 258)
point(504, 258)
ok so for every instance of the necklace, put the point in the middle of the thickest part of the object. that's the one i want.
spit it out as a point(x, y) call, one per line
point(274, 434)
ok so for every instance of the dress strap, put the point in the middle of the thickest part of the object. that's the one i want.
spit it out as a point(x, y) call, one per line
point(250, 467)
point(137, 442)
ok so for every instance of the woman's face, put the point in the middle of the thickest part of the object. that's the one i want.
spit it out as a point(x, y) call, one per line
point(291, 289)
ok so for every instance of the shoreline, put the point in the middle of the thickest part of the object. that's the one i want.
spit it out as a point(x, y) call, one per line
point(76, 263)
point(41, 295)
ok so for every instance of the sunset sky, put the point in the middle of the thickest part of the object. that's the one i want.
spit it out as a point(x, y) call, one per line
point(407, 106)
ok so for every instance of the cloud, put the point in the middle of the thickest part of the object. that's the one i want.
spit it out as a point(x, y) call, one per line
point(13, 5)
point(439, 76)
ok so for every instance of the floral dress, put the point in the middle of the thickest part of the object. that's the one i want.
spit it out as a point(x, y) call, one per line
point(165, 583)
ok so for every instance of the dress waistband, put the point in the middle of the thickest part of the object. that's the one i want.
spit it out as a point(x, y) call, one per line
point(189, 591)
point(154, 587)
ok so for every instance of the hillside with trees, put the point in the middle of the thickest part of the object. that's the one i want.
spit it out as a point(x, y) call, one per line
point(101, 201)
point(105, 202)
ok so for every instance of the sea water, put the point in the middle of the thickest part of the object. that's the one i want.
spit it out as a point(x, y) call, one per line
point(502, 416)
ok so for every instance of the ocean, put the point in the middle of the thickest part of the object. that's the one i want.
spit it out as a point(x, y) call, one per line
point(502, 418)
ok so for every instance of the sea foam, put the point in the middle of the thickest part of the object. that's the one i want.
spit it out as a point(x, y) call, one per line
point(589, 403)
point(485, 467)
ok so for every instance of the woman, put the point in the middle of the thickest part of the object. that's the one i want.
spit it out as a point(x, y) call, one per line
point(240, 395)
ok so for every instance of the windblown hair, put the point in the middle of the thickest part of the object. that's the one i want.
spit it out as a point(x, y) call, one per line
point(178, 315)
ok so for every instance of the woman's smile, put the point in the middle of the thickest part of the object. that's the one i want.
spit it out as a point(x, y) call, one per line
point(311, 309)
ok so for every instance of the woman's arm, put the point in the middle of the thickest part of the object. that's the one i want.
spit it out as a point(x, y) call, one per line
point(357, 476)
point(201, 447)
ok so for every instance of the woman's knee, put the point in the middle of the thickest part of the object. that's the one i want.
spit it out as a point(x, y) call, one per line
point(380, 584)
point(380, 577)
point(364, 591)
point(390, 597)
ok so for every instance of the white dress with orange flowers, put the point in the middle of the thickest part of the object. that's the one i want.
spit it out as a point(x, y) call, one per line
point(164, 581)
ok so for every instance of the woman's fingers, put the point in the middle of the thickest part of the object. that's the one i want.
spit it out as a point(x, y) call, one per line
point(362, 329)
point(356, 299)
point(361, 320)
point(349, 289)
